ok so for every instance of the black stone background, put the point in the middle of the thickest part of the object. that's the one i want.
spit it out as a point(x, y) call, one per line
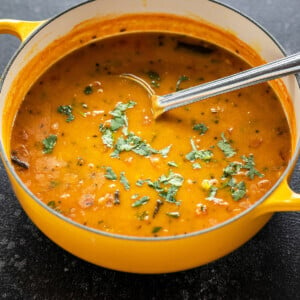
point(33, 267)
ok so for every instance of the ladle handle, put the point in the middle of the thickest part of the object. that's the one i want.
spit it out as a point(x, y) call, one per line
point(272, 70)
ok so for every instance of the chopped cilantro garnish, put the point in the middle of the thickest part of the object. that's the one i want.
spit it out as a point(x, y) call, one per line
point(49, 143)
point(119, 118)
point(107, 136)
point(196, 166)
point(174, 179)
point(125, 131)
point(141, 201)
point(172, 164)
point(134, 143)
point(66, 110)
point(212, 193)
point(88, 90)
point(225, 146)
point(238, 190)
point(155, 78)
point(140, 182)
point(156, 229)
point(118, 122)
point(205, 155)
point(122, 107)
point(128, 141)
point(235, 167)
point(165, 151)
point(124, 181)
point(250, 166)
point(173, 214)
point(180, 80)
point(232, 169)
point(52, 204)
point(110, 174)
point(201, 128)
point(166, 186)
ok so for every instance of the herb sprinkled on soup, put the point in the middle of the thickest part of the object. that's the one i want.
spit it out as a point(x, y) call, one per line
point(85, 141)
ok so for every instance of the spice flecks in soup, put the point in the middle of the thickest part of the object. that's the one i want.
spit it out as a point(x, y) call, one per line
point(85, 141)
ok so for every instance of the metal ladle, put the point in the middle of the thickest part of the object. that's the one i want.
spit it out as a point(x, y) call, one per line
point(278, 68)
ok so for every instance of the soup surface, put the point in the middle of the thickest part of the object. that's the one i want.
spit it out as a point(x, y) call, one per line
point(85, 141)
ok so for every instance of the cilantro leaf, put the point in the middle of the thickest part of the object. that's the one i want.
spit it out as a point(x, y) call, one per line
point(121, 108)
point(196, 166)
point(124, 181)
point(52, 204)
point(66, 110)
point(250, 166)
point(141, 201)
point(172, 164)
point(118, 122)
point(165, 151)
point(238, 190)
point(180, 80)
point(167, 186)
point(225, 146)
point(140, 182)
point(156, 229)
point(119, 118)
point(134, 143)
point(88, 90)
point(107, 136)
point(174, 179)
point(49, 143)
point(155, 78)
point(235, 167)
point(205, 155)
point(212, 193)
point(174, 214)
point(201, 128)
point(232, 169)
point(110, 174)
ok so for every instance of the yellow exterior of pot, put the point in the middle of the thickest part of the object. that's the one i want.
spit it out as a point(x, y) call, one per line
point(18, 28)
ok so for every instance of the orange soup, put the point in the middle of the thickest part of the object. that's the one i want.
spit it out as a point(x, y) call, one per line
point(85, 141)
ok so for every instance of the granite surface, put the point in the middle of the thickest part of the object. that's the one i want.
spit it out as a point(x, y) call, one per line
point(33, 267)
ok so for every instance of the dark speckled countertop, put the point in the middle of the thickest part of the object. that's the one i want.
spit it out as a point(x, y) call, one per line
point(33, 267)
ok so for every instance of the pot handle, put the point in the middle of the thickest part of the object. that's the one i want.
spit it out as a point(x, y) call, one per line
point(282, 199)
point(19, 28)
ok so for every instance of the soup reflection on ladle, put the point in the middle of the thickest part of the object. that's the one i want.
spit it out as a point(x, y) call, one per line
point(278, 68)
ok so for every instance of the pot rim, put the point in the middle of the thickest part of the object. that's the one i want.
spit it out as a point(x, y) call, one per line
point(9, 166)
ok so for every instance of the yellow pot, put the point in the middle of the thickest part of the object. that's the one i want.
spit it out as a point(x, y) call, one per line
point(46, 41)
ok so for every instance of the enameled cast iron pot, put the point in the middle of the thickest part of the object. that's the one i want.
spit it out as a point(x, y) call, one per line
point(45, 42)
